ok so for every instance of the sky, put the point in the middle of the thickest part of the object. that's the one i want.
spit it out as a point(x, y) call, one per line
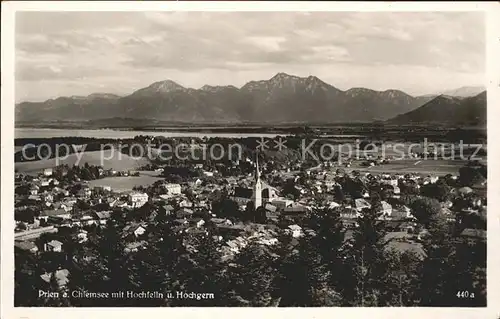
point(79, 53)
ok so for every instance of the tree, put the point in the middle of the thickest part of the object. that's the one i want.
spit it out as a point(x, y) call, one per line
point(439, 191)
point(205, 272)
point(252, 276)
point(471, 270)
point(22, 226)
point(58, 300)
point(425, 209)
point(402, 278)
point(364, 267)
point(409, 188)
point(436, 275)
point(27, 279)
point(249, 214)
point(146, 273)
point(226, 208)
point(303, 277)
point(470, 175)
point(290, 189)
point(339, 194)
point(101, 267)
point(260, 215)
point(354, 187)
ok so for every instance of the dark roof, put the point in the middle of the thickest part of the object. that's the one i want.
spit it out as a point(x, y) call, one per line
point(231, 228)
point(243, 192)
point(218, 220)
point(53, 212)
point(184, 212)
point(397, 214)
point(474, 233)
point(270, 207)
point(272, 215)
point(103, 215)
point(237, 226)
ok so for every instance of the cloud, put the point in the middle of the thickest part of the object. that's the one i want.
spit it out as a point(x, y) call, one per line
point(328, 52)
point(109, 47)
point(266, 43)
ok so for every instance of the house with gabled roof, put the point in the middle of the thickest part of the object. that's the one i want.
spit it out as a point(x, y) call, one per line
point(134, 229)
point(54, 213)
point(361, 203)
point(54, 246)
point(103, 216)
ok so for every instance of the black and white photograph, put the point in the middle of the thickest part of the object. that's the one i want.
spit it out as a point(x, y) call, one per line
point(205, 158)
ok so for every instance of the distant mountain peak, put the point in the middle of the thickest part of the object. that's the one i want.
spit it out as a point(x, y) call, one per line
point(465, 91)
point(283, 75)
point(313, 78)
point(447, 109)
point(391, 93)
point(78, 97)
point(207, 87)
point(482, 94)
point(165, 86)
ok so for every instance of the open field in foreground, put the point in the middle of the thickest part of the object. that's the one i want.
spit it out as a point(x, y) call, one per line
point(116, 161)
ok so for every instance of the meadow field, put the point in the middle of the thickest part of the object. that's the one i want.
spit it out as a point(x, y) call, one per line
point(398, 150)
point(423, 167)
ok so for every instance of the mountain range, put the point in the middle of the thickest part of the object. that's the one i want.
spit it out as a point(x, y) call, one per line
point(465, 91)
point(445, 109)
point(282, 99)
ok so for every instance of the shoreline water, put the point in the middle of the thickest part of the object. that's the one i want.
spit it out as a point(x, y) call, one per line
point(121, 134)
point(25, 132)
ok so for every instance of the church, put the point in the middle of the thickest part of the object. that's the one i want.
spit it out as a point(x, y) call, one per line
point(260, 193)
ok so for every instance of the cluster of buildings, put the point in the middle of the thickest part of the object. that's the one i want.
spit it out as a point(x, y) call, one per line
point(43, 205)
point(48, 206)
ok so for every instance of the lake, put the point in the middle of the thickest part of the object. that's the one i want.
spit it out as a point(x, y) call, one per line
point(116, 134)
point(124, 134)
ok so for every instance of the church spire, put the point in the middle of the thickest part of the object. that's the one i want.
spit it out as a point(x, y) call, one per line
point(257, 171)
point(257, 188)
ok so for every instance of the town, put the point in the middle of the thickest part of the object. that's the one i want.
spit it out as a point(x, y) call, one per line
point(251, 231)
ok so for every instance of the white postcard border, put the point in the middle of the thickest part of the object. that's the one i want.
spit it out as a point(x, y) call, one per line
point(492, 10)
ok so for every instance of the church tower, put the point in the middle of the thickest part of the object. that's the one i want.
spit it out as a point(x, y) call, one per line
point(257, 189)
